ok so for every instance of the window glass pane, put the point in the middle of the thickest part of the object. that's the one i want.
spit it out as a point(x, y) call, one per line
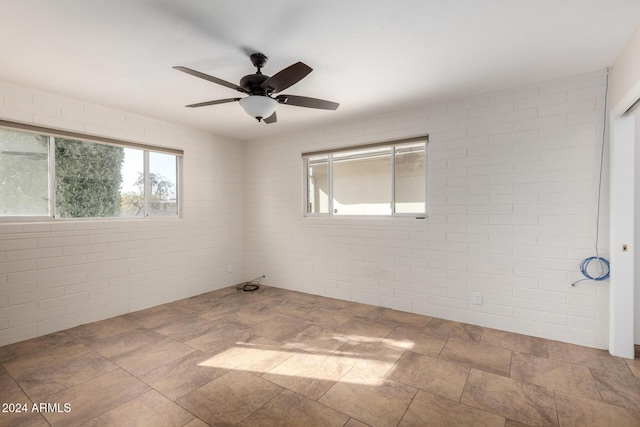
point(362, 182)
point(410, 179)
point(162, 179)
point(88, 179)
point(318, 185)
point(132, 185)
point(24, 174)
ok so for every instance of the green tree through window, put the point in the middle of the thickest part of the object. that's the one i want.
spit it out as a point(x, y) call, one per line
point(88, 178)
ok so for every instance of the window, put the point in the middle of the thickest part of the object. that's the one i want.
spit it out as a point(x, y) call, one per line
point(318, 184)
point(60, 177)
point(24, 174)
point(132, 185)
point(163, 170)
point(362, 182)
point(378, 179)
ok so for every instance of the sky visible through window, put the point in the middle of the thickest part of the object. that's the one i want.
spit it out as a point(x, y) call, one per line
point(133, 166)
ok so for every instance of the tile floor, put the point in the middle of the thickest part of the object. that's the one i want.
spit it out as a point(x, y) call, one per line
point(276, 357)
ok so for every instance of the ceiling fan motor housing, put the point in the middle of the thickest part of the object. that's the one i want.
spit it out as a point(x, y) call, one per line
point(252, 83)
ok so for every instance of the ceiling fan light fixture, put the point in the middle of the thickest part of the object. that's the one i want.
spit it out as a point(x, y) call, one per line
point(259, 106)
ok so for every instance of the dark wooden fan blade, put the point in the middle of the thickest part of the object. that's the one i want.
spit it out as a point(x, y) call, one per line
point(303, 101)
point(217, 101)
point(271, 119)
point(211, 78)
point(287, 77)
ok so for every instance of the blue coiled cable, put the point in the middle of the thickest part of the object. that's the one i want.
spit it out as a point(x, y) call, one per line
point(604, 274)
point(605, 267)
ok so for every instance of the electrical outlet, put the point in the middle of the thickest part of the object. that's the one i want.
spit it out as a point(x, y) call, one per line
point(230, 268)
point(477, 298)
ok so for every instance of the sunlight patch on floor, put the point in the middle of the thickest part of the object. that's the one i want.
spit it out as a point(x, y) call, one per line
point(252, 354)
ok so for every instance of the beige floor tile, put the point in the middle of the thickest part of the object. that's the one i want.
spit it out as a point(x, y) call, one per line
point(516, 400)
point(477, 355)
point(102, 330)
point(308, 374)
point(514, 423)
point(321, 313)
point(366, 329)
point(634, 365)
point(201, 351)
point(9, 390)
point(398, 318)
point(242, 316)
point(376, 357)
point(554, 375)
point(429, 410)
point(574, 411)
point(427, 373)
point(251, 307)
point(351, 308)
point(516, 342)
point(585, 356)
point(374, 400)
point(326, 318)
point(46, 355)
point(40, 383)
point(458, 330)
point(15, 419)
point(150, 409)
point(280, 328)
point(416, 340)
point(220, 339)
point(11, 393)
point(186, 328)
point(125, 342)
point(230, 398)
point(196, 422)
point(143, 359)
point(155, 317)
point(316, 339)
point(355, 423)
point(256, 354)
point(96, 396)
point(35, 346)
point(289, 409)
point(201, 304)
point(182, 376)
point(619, 390)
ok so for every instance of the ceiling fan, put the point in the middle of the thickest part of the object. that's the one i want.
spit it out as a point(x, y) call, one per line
point(261, 103)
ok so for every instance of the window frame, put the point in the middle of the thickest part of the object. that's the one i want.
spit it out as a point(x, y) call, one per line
point(52, 134)
point(393, 145)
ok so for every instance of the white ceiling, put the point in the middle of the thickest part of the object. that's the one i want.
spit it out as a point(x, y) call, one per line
point(371, 56)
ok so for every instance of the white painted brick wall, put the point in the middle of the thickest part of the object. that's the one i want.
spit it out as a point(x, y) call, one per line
point(59, 274)
point(512, 187)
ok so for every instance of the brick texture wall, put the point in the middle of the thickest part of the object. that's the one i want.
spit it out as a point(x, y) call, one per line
point(59, 274)
point(512, 185)
point(512, 182)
